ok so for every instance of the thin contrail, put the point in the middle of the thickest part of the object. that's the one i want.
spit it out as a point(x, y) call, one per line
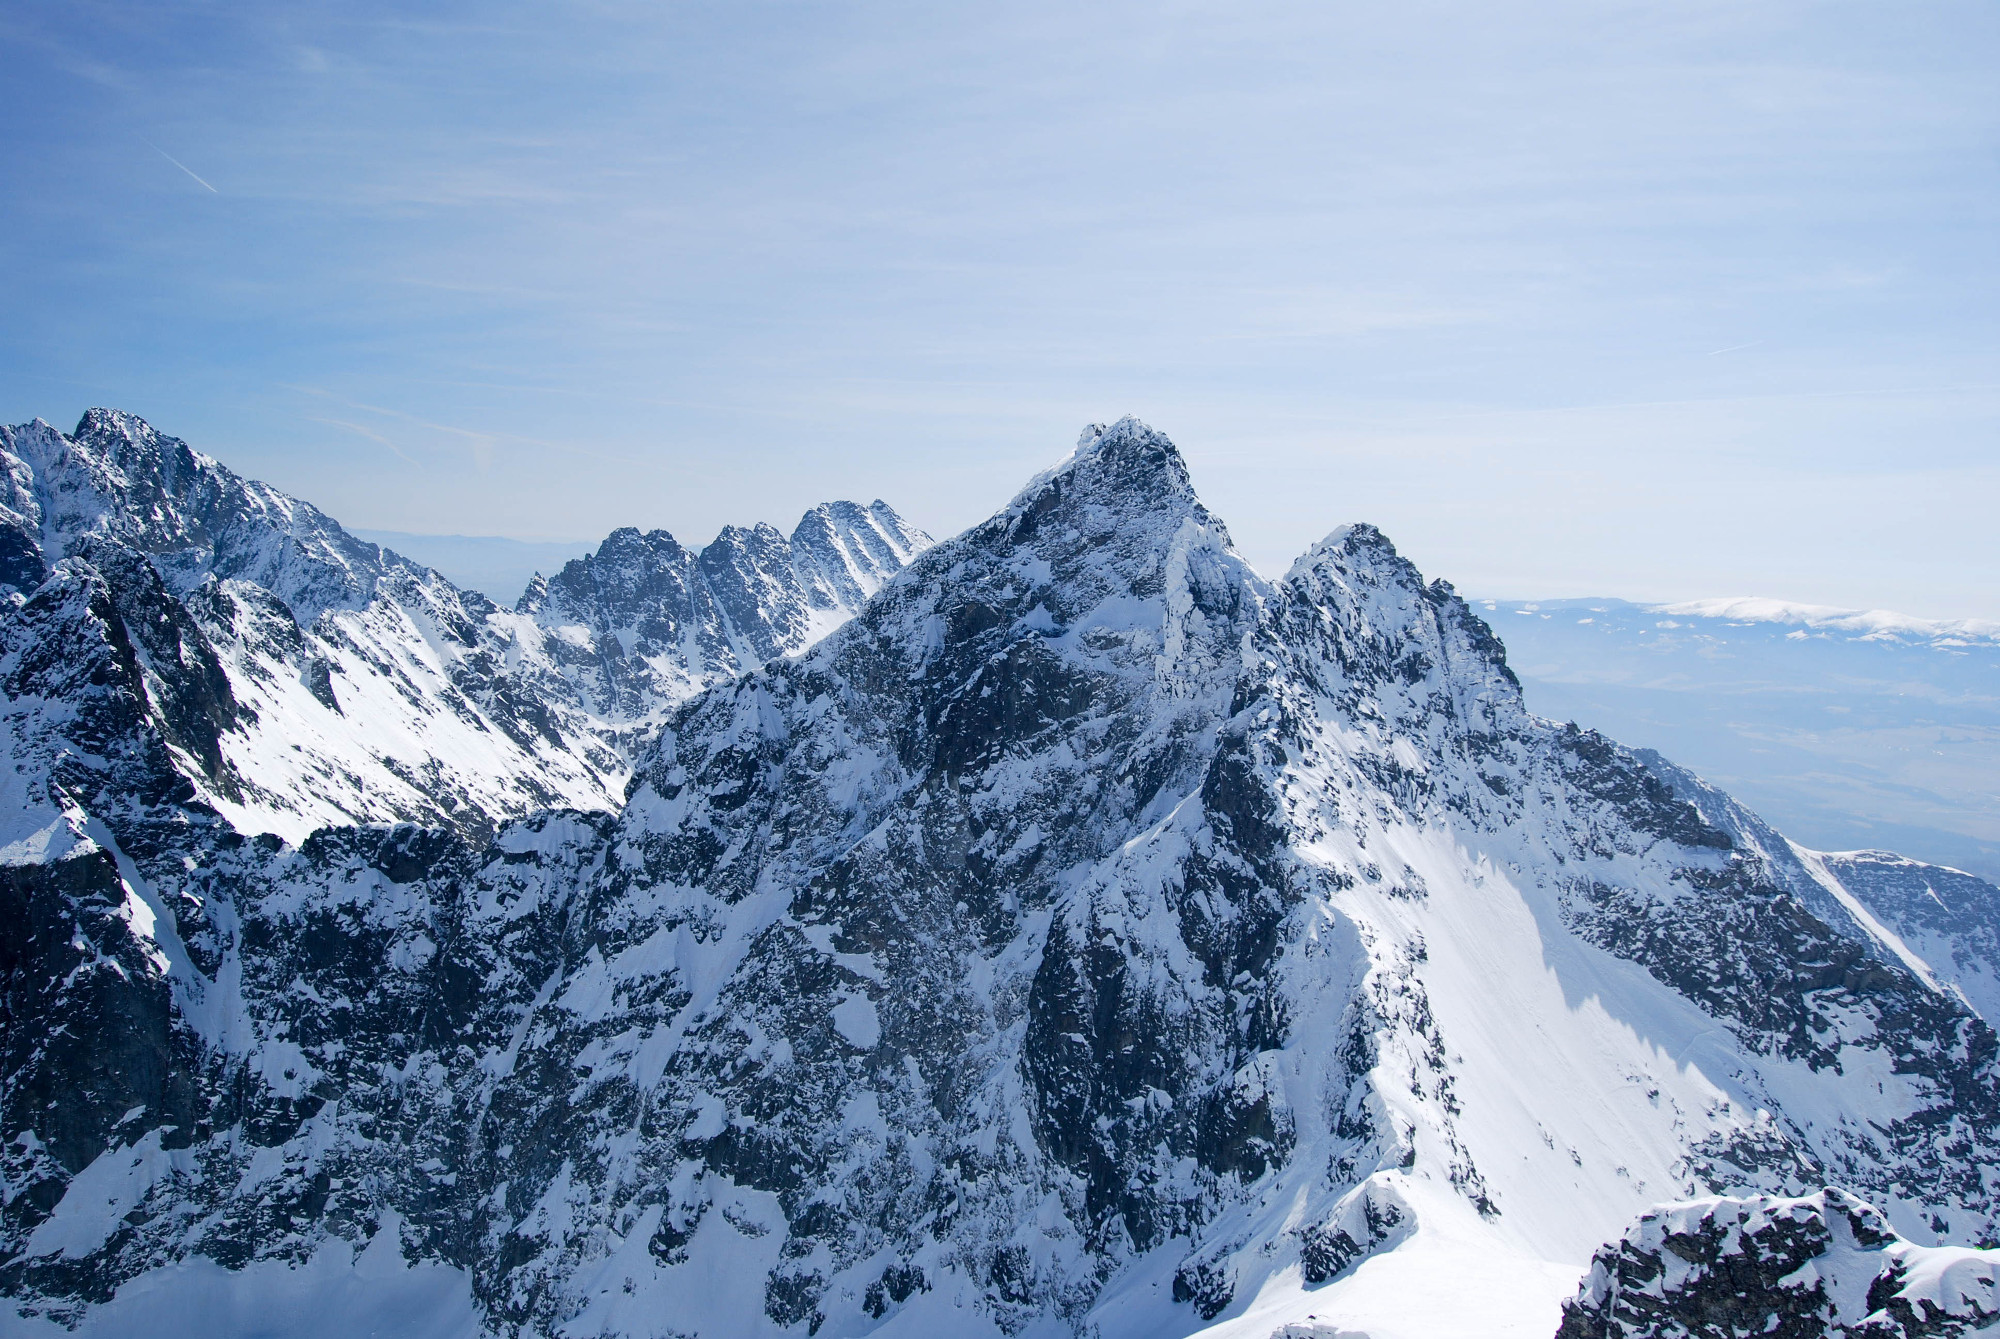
point(179, 164)
point(1711, 353)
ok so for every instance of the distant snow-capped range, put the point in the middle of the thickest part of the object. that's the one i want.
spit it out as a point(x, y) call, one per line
point(1058, 930)
point(1869, 624)
point(1801, 621)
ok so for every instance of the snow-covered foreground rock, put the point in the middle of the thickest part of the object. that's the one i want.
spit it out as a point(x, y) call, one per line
point(1089, 937)
point(339, 683)
point(1824, 1266)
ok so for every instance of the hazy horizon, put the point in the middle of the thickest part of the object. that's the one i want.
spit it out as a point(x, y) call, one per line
point(578, 547)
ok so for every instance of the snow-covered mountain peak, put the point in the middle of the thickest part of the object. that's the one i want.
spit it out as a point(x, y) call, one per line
point(644, 622)
point(1116, 533)
point(1126, 467)
point(1088, 938)
point(118, 475)
point(616, 576)
point(848, 552)
point(628, 541)
point(1392, 648)
point(1126, 431)
point(137, 447)
point(1342, 540)
point(1293, 936)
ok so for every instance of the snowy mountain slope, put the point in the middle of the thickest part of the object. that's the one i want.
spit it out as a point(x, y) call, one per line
point(1844, 728)
point(1089, 937)
point(117, 477)
point(361, 687)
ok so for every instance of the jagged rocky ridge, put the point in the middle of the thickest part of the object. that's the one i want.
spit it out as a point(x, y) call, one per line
point(644, 623)
point(338, 682)
point(1944, 918)
point(1824, 1266)
point(1941, 924)
point(1088, 937)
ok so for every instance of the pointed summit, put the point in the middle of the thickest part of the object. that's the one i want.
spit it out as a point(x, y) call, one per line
point(1389, 647)
point(1211, 878)
point(100, 426)
point(846, 552)
point(1117, 519)
point(1128, 468)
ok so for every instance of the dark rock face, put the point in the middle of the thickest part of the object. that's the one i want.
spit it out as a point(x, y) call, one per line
point(1942, 924)
point(183, 680)
point(21, 566)
point(1949, 917)
point(1012, 748)
point(1826, 1266)
point(77, 950)
point(1087, 926)
point(107, 691)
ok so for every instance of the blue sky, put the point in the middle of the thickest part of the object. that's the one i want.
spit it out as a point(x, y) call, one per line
point(1651, 301)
